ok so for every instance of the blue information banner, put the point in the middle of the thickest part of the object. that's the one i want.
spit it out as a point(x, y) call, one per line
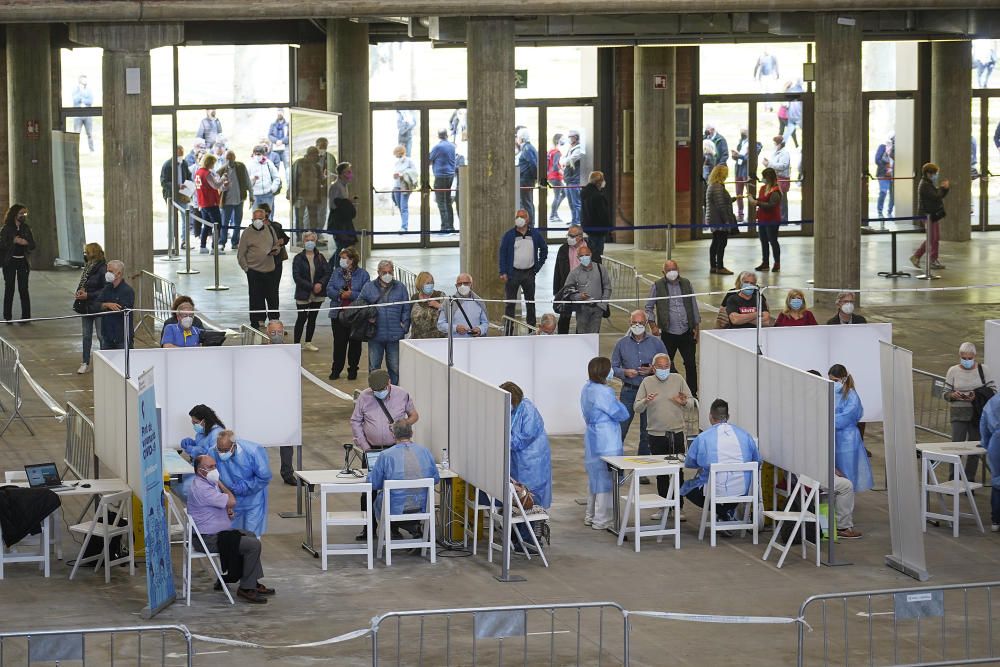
point(159, 572)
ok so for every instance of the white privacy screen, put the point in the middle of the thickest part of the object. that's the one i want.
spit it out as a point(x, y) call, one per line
point(991, 345)
point(480, 432)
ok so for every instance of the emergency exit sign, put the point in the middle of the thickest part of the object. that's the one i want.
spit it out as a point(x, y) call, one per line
point(520, 78)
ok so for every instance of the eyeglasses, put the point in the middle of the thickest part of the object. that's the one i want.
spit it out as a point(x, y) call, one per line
point(467, 282)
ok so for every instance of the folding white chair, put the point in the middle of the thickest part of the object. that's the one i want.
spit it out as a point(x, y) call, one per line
point(474, 507)
point(635, 502)
point(956, 487)
point(750, 499)
point(41, 556)
point(806, 494)
point(518, 516)
point(101, 525)
point(353, 518)
point(196, 551)
point(427, 540)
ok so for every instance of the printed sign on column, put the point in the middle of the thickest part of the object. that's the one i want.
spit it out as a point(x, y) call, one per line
point(159, 572)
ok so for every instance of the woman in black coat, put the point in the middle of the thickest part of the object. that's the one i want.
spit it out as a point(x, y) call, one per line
point(87, 292)
point(16, 243)
point(595, 213)
point(310, 271)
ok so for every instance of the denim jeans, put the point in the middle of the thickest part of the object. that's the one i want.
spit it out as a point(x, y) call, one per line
point(89, 324)
point(263, 199)
point(377, 350)
point(573, 194)
point(442, 185)
point(629, 392)
point(211, 214)
point(885, 188)
point(557, 198)
point(401, 199)
point(232, 218)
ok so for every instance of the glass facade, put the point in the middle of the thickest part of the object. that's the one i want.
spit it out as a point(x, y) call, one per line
point(765, 69)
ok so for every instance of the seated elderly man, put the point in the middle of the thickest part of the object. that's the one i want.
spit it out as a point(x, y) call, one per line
point(547, 325)
point(244, 469)
point(721, 443)
point(276, 332)
point(212, 505)
point(405, 460)
point(468, 312)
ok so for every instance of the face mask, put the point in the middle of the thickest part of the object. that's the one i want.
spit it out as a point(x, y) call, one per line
point(611, 375)
point(968, 363)
point(672, 275)
point(847, 308)
point(258, 223)
point(520, 223)
point(637, 329)
point(934, 178)
point(386, 278)
point(428, 288)
point(571, 240)
point(276, 338)
point(464, 290)
point(380, 395)
point(199, 429)
point(262, 159)
point(310, 245)
point(662, 374)
point(212, 475)
point(585, 260)
point(225, 456)
point(109, 277)
point(796, 304)
point(344, 263)
point(748, 289)
point(186, 322)
point(838, 384)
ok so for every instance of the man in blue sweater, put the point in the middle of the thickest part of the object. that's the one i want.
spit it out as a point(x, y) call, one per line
point(443, 163)
point(522, 253)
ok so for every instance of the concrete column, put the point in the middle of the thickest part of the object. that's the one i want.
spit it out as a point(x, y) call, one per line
point(347, 94)
point(127, 121)
point(655, 155)
point(951, 132)
point(29, 102)
point(837, 196)
point(492, 173)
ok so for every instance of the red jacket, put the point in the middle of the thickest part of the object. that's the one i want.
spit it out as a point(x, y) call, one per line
point(766, 215)
point(207, 195)
point(552, 170)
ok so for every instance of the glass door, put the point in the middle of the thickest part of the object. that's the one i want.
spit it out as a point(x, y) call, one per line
point(570, 132)
point(782, 136)
point(890, 169)
point(397, 147)
point(990, 185)
point(725, 139)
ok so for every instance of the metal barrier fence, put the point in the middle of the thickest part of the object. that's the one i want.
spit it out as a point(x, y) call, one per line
point(916, 627)
point(408, 278)
point(624, 283)
point(931, 413)
point(164, 292)
point(79, 457)
point(251, 336)
point(141, 645)
point(594, 633)
point(515, 327)
point(10, 383)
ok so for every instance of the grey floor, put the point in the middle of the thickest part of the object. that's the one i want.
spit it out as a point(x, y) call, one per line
point(585, 565)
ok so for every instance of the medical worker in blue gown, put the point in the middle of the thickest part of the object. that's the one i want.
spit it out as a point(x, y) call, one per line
point(989, 434)
point(244, 470)
point(207, 427)
point(603, 414)
point(851, 457)
point(530, 456)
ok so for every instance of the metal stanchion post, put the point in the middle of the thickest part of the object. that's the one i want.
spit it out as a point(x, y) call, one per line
point(300, 489)
point(215, 252)
point(173, 244)
point(188, 271)
point(927, 275)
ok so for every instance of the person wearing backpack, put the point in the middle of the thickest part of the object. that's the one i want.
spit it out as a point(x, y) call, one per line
point(969, 386)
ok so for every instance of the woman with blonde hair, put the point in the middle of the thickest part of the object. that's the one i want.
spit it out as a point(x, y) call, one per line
point(424, 316)
point(719, 217)
point(87, 292)
point(795, 313)
point(850, 457)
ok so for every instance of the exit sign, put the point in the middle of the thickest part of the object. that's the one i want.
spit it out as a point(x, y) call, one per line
point(520, 78)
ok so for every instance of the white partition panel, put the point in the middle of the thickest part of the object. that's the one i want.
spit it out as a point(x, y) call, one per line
point(267, 388)
point(991, 344)
point(425, 378)
point(729, 372)
point(193, 376)
point(480, 432)
point(109, 417)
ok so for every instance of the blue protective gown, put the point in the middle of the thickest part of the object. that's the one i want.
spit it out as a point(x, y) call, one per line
point(403, 460)
point(851, 457)
point(247, 474)
point(530, 456)
point(704, 451)
point(602, 411)
point(194, 447)
point(989, 437)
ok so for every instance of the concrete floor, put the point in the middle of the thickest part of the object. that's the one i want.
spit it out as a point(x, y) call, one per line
point(585, 565)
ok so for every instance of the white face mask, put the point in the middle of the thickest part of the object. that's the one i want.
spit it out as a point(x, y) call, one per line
point(258, 223)
point(637, 329)
point(109, 277)
point(672, 275)
point(186, 322)
point(212, 476)
point(520, 222)
point(847, 308)
point(571, 241)
point(386, 278)
point(464, 290)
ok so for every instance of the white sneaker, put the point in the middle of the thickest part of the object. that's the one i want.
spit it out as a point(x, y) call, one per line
point(995, 527)
point(600, 526)
point(82, 369)
point(587, 521)
point(310, 347)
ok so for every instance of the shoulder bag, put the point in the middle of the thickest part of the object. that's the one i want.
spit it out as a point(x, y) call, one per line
point(982, 396)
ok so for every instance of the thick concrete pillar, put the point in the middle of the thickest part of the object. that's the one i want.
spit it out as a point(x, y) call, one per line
point(347, 94)
point(127, 121)
point(654, 81)
point(29, 128)
point(837, 196)
point(492, 183)
point(951, 132)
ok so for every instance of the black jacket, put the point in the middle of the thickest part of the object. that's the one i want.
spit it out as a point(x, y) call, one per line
point(7, 235)
point(595, 212)
point(300, 274)
point(562, 267)
point(341, 222)
point(930, 199)
point(183, 174)
point(22, 511)
point(94, 282)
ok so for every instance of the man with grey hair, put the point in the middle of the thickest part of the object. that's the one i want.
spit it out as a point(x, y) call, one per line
point(527, 166)
point(405, 460)
point(257, 249)
point(391, 301)
point(547, 325)
point(119, 298)
point(741, 307)
point(466, 316)
point(845, 311)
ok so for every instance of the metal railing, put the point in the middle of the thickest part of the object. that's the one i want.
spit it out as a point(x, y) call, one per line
point(140, 645)
point(624, 283)
point(515, 327)
point(216, 286)
point(79, 456)
point(594, 633)
point(251, 336)
point(917, 627)
point(408, 278)
point(10, 383)
point(931, 412)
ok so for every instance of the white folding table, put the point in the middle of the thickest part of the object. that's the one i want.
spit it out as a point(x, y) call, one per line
point(642, 466)
point(622, 467)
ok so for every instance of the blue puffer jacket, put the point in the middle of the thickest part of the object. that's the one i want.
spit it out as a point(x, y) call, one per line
point(394, 320)
point(359, 278)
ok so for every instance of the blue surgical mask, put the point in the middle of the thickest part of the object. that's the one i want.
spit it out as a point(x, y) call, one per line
point(662, 373)
point(934, 178)
point(344, 263)
point(381, 394)
point(611, 375)
point(967, 364)
point(199, 429)
point(225, 456)
point(310, 245)
point(428, 288)
point(796, 304)
point(585, 260)
point(748, 289)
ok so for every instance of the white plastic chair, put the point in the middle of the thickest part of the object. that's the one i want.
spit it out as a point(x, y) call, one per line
point(473, 507)
point(955, 488)
point(189, 531)
point(518, 516)
point(353, 518)
point(41, 556)
point(750, 499)
point(101, 526)
point(806, 494)
point(636, 501)
point(428, 540)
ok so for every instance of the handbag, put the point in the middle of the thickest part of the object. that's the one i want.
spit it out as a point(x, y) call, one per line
point(565, 294)
point(524, 495)
point(83, 307)
point(982, 396)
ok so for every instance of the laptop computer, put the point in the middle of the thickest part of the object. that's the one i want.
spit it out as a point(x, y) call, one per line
point(44, 476)
point(371, 456)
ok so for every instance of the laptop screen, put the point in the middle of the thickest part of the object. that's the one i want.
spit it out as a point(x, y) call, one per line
point(42, 474)
point(371, 456)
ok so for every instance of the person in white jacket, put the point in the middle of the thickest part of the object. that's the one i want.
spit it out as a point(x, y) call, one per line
point(264, 179)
